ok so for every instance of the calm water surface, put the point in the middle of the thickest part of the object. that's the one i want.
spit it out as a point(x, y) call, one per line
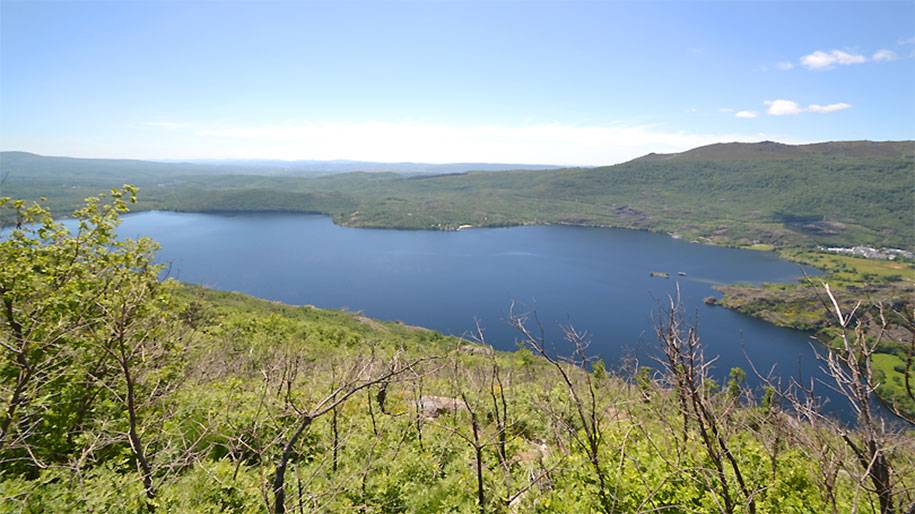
point(596, 279)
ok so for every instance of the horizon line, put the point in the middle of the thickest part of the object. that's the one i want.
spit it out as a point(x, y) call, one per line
point(227, 160)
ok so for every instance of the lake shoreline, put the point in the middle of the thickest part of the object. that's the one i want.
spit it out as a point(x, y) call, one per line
point(339, 223)
point(459, 227)
point(724, 299)
point(187, 231)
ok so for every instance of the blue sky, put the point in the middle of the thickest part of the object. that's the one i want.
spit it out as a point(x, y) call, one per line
point(551, 82)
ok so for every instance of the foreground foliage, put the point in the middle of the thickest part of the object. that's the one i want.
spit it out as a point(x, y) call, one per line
point(122, 393)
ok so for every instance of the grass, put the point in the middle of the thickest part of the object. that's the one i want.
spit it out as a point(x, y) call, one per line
point(890, 371)
point(762, 247)
point(848, 270)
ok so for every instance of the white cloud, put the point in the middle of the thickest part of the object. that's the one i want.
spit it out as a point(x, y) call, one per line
point(784, 65)
point(746, 114)
point(782, 107)
point(841, 106)
point(821, 60)
point(884, 55)
point(789, 107)
point(383, 141)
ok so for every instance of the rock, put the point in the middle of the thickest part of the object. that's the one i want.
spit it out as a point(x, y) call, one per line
point(370, 322)
point(476, 349)
point(530, 457)
point(536, 452)
point(711, 300)
point(435, 406)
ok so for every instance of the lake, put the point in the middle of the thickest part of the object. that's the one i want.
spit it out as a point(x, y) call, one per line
point(593, 278)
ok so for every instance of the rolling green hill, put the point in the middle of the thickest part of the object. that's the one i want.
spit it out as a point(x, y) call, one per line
point(837, 193)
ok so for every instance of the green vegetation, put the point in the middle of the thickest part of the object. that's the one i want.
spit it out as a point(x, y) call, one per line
point(890, 284)
point(121, 393)
point(735, 194)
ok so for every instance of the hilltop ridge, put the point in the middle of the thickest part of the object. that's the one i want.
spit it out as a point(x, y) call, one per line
point(776, 150)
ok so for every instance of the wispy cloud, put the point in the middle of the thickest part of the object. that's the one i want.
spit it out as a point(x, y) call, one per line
point(554, 143)
point(841, 106)
point(906, 41)
point(821, 60)
point(884, 55)
point(789, 107)
point(784, 65)
point(746, 114)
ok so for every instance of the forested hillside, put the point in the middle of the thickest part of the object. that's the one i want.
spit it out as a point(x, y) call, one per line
point(836, 194)
point(123, 393)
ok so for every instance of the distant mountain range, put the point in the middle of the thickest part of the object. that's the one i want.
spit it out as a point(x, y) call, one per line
point(15, 162)
point(35, 165)
point(346, 166)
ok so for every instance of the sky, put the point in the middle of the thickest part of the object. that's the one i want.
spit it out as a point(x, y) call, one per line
point(578, 83)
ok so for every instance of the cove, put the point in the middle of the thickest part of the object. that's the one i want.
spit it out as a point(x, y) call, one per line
point(596, 279)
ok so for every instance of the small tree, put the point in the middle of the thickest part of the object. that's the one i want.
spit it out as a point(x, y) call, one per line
point(53, 284)
point(687, 371)
point(582, 391)
point(136, 336)
point(870, 448)
point(850, 366)
point(363, 374)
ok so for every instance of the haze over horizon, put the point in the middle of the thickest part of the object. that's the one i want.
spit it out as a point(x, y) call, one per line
point(266, 161)
point(545, 83)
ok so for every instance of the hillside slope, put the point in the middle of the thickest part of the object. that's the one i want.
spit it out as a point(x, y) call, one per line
point(123, 393)
point(836, 194)
point(771, 150)
point(829, 194)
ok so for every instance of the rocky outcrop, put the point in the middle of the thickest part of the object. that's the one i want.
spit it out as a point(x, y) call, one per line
point(435, 406)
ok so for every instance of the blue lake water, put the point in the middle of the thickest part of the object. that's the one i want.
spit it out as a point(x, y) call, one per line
point(596, 279)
